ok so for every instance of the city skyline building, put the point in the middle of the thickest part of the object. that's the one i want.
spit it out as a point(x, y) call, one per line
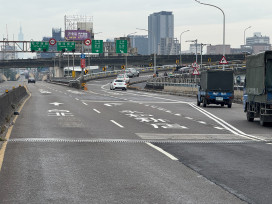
point(56, 34)
point(160, 25)
point(140, 42)
point(169, 46)
point(21, 38)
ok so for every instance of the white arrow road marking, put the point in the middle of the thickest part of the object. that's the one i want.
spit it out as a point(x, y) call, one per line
point(56, 103)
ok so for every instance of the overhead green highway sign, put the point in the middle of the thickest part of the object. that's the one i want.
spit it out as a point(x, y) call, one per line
point(121, 46)
point(97, 46)
point(66, 46)
point(39, 46)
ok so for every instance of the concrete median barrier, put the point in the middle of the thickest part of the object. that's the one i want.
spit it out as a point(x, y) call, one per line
point(9, 103)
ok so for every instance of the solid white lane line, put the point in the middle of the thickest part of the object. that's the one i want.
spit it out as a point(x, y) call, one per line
point(96, 111)
point(85, 103)
point(117, 124)
point(162, 151)
point(224, 124)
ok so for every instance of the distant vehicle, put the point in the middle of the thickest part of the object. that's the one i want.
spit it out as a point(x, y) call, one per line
point(129, 73)
point(216, 87)
point(31, 80)
point(134, 71)
point(118, 84)
point(258, 87)
point(123, 77)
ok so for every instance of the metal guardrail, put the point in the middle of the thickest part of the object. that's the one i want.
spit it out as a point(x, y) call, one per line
point(75, 82)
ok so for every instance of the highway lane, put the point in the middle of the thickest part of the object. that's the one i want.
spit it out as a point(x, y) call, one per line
point(240, 168)
point(75, 146)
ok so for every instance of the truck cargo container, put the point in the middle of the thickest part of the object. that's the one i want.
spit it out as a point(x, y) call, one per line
point(258, 87)
point(216, 87)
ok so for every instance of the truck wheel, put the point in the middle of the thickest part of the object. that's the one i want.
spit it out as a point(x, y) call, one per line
point(204, 102)
point(229, 105)
point(197, 102)
point(262, 123)
point(250, 116)
point(222, 105)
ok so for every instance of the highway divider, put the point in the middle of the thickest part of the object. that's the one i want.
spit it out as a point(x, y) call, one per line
point(8, 105)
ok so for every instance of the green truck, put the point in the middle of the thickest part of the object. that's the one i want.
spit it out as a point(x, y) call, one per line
point(258, 87)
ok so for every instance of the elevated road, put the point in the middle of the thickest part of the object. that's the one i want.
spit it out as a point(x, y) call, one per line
point(143, 60)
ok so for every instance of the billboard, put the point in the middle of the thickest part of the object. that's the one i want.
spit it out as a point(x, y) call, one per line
point(77, 35)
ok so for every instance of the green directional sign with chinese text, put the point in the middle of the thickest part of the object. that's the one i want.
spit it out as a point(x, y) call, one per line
point(66, 46)
point(39, 46)
point(97, 46)
point(121, 46)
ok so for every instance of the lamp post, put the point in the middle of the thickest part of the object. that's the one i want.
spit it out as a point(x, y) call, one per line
point(224, 51)
point(201, 50)
point(127, 52)
point(180, 46)
point(153, 46)
point(195, 41)
point(245, 34)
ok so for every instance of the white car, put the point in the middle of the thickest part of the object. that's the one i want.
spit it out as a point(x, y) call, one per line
point(134, 71)
point(118, 84)
point(123, 77)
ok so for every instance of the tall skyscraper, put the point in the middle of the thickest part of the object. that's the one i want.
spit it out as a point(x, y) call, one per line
point(21, 38)
point(160, 25)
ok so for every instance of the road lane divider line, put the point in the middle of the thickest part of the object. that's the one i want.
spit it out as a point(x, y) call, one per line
point(96, 111)
point(224, 124)
point(77, 99)
point(162, 151)
point(117, 124)
point(85, 103)
point(4, 145)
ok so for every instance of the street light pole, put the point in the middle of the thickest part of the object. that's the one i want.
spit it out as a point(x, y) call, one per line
point(180, 46)
point(245, 34)
point(224, 51)
point(153, 46)
point(201, 51)
point(195, 41)
point(127, 52)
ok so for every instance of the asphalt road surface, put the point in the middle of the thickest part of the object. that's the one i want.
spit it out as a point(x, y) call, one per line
point(104, 146)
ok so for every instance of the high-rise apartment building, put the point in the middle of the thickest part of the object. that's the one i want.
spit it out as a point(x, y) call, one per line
point(160, 25)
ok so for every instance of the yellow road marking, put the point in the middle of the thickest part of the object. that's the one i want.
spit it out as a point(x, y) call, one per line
point(4, 146)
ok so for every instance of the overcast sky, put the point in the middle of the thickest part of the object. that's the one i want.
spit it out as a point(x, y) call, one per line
point(115, 18)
